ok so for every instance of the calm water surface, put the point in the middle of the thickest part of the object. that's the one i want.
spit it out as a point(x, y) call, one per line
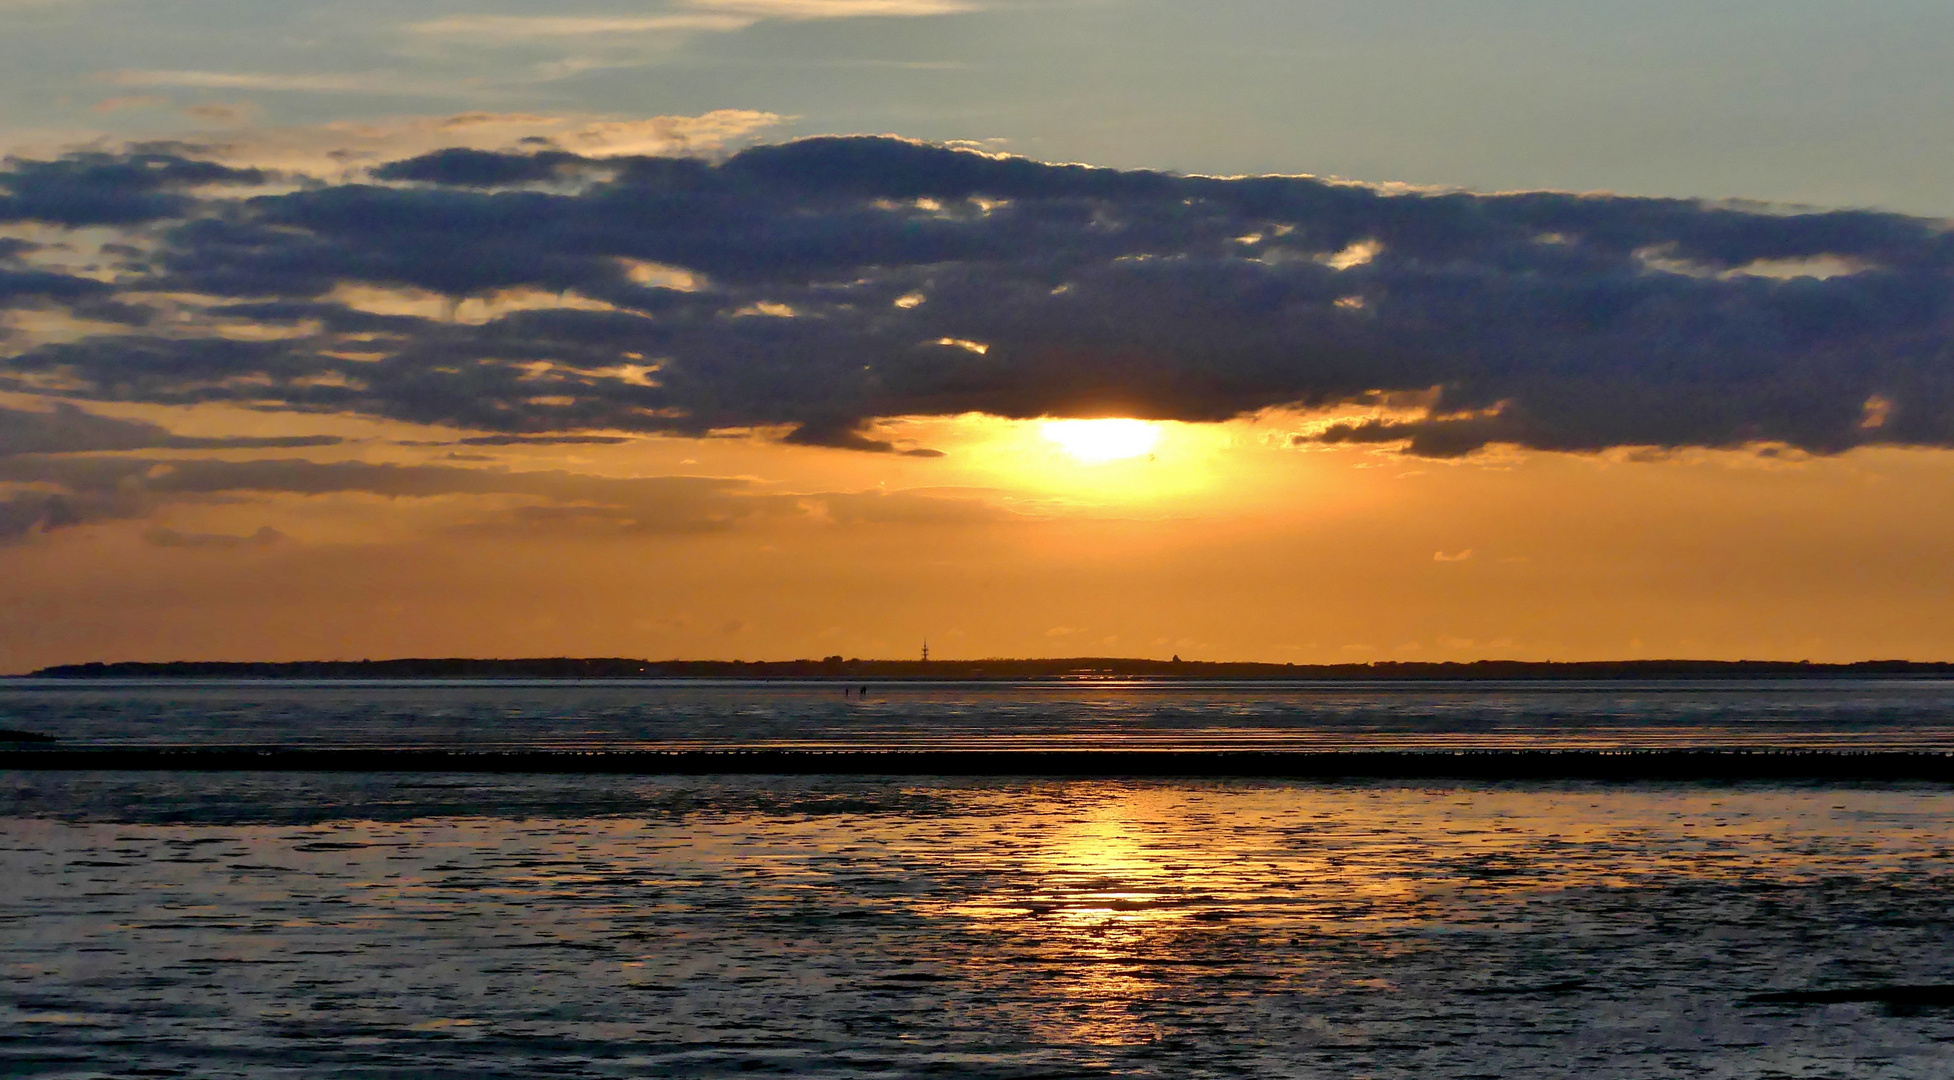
point(659, 713)
point(260, 925)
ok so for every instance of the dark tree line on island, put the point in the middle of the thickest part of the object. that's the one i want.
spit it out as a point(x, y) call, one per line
point(1060, 669)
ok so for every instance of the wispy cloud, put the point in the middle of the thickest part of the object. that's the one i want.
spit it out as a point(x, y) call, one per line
point(529, 27)
point(835, 9)
point(700, 16)
point(66, 429)
point(343, 148)
point(51, 493)
point(366, 82)
point(170, 538)
point(140, 101)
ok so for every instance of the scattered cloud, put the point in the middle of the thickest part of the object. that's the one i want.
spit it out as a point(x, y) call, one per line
point(929, 280)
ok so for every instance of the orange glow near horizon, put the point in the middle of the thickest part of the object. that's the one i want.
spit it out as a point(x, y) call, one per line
point(1223, 540)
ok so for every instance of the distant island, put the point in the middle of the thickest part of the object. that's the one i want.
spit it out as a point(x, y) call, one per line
point(1082, 669)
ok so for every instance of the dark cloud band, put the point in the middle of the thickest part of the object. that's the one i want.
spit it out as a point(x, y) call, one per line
point(66, 429)
point(817, 285)
point(98, 188)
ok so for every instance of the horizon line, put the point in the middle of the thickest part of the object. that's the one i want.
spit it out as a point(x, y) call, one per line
point(1040, 667)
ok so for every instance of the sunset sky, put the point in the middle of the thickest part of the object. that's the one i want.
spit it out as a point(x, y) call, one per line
point(1297, 331)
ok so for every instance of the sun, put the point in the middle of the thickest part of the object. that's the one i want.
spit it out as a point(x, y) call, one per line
point(1095, 441)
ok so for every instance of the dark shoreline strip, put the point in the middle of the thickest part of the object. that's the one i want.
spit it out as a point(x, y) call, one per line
point(997, 669)
point(1625, 766)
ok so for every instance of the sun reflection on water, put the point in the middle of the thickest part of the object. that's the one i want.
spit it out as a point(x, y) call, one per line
point(1002, 928)
point(1116, 907)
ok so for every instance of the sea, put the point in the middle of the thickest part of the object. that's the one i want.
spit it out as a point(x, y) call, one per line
point(392, 924)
